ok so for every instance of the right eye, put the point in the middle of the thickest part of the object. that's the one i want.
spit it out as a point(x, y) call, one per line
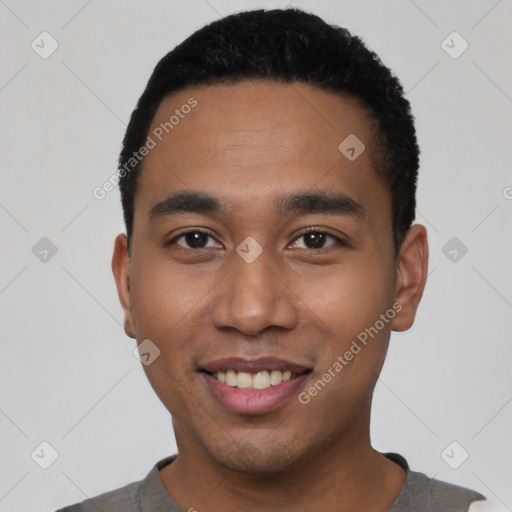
point(195, 240)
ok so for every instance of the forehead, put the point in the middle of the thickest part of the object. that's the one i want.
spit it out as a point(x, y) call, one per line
point(252, 140)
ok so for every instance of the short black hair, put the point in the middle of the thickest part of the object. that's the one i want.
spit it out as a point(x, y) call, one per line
point(287, 46)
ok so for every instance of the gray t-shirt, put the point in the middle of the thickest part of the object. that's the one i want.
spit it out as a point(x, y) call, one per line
point(418, 494)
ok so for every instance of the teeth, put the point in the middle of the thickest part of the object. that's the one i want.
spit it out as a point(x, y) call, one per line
point(260, 380)
point(231, 379)
point(244, 380)
point(276, 377)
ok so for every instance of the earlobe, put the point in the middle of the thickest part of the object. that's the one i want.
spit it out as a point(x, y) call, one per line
point(121, 271)
point(411, 276)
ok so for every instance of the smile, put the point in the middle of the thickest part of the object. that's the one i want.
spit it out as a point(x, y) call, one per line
point(253, 386)
point(261, 380)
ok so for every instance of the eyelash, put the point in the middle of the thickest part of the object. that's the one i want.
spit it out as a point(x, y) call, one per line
point(303, 233)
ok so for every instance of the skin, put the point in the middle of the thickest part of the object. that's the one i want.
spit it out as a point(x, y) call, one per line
point(247, 144)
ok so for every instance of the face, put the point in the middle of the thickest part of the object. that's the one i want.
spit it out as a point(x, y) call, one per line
point(261, 254)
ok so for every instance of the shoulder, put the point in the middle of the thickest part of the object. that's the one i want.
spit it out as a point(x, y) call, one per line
point(129, 497)
point(421, 493)
point(124, 499)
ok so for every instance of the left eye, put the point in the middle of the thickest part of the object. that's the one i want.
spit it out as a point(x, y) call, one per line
point(315, 239)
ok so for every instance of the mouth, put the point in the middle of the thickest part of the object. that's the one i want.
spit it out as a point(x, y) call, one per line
point(260, 380)
point(253, 386)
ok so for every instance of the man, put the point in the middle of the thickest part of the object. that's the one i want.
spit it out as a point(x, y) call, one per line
point(268, 179)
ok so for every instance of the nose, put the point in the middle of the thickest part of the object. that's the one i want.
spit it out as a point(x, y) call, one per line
point(253, 297)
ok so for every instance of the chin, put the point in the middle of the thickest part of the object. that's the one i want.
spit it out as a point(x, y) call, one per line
point(256, 458)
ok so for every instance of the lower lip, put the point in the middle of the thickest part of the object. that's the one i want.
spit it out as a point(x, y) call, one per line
point(253, 401)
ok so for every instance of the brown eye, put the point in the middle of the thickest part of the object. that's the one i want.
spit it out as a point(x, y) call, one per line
point(195, 239)
point(316, 239)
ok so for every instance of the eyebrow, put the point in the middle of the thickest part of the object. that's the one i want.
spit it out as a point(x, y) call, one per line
point(299, 203)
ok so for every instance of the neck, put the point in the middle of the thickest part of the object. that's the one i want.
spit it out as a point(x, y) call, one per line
point(345, 474)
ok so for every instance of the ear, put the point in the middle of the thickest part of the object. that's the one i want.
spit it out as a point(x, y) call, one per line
point(121, 270)
point(411, 276)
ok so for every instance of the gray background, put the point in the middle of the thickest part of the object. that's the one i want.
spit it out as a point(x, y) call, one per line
point(68, 374)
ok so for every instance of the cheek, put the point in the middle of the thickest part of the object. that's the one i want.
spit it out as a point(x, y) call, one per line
point(348, 304)
point(348, 300)
point(172, 325)
point(162, 298)
point(166, 311)
point(171, 383)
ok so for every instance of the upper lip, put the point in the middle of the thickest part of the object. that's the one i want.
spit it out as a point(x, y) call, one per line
point(260, 364)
